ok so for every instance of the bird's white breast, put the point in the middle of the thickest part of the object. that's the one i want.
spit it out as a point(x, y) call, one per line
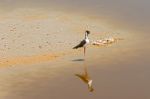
point(90, 83)
point(87, 42)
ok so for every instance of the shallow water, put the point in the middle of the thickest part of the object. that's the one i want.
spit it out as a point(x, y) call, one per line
point(118, 71)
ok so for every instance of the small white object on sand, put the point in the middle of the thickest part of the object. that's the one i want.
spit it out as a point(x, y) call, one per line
point(104, 41)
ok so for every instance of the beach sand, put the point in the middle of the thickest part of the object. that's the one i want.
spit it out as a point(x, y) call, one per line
point(32, 34)
point(37, 60)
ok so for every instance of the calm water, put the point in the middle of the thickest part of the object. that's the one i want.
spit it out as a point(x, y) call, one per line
point(120, 71)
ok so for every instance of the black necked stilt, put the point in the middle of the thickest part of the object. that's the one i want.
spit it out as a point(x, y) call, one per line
point(84, 42)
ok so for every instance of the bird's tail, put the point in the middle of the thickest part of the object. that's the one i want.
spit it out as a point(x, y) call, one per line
point(75, 47)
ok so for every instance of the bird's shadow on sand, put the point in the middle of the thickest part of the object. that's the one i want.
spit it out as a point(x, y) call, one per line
point(78, 60)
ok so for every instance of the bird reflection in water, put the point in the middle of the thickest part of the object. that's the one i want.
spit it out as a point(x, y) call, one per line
point(86, 79)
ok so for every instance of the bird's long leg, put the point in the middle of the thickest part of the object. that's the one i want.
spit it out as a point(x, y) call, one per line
point(84, 50)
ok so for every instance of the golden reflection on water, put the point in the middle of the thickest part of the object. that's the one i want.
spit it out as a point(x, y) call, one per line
point(86, 79)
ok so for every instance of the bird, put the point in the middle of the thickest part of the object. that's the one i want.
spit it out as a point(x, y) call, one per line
point(86, 79)
point(84, 42)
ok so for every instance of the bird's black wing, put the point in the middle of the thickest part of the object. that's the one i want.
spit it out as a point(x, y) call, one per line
point(82, 43)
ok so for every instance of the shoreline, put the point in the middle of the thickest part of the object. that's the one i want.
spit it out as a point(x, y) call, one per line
point(27, 60)
point(31, 32)
point(27, 34)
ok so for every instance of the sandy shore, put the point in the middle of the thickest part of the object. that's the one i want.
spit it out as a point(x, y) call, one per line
point(39, 63)
point(34, 35)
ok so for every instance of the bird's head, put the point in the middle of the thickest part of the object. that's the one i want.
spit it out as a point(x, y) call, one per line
point(88, 32)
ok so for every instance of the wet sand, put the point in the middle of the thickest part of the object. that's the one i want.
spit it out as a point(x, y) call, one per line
point(39, 63)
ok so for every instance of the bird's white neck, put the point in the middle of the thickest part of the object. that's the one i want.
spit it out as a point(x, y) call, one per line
point(86, 35)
